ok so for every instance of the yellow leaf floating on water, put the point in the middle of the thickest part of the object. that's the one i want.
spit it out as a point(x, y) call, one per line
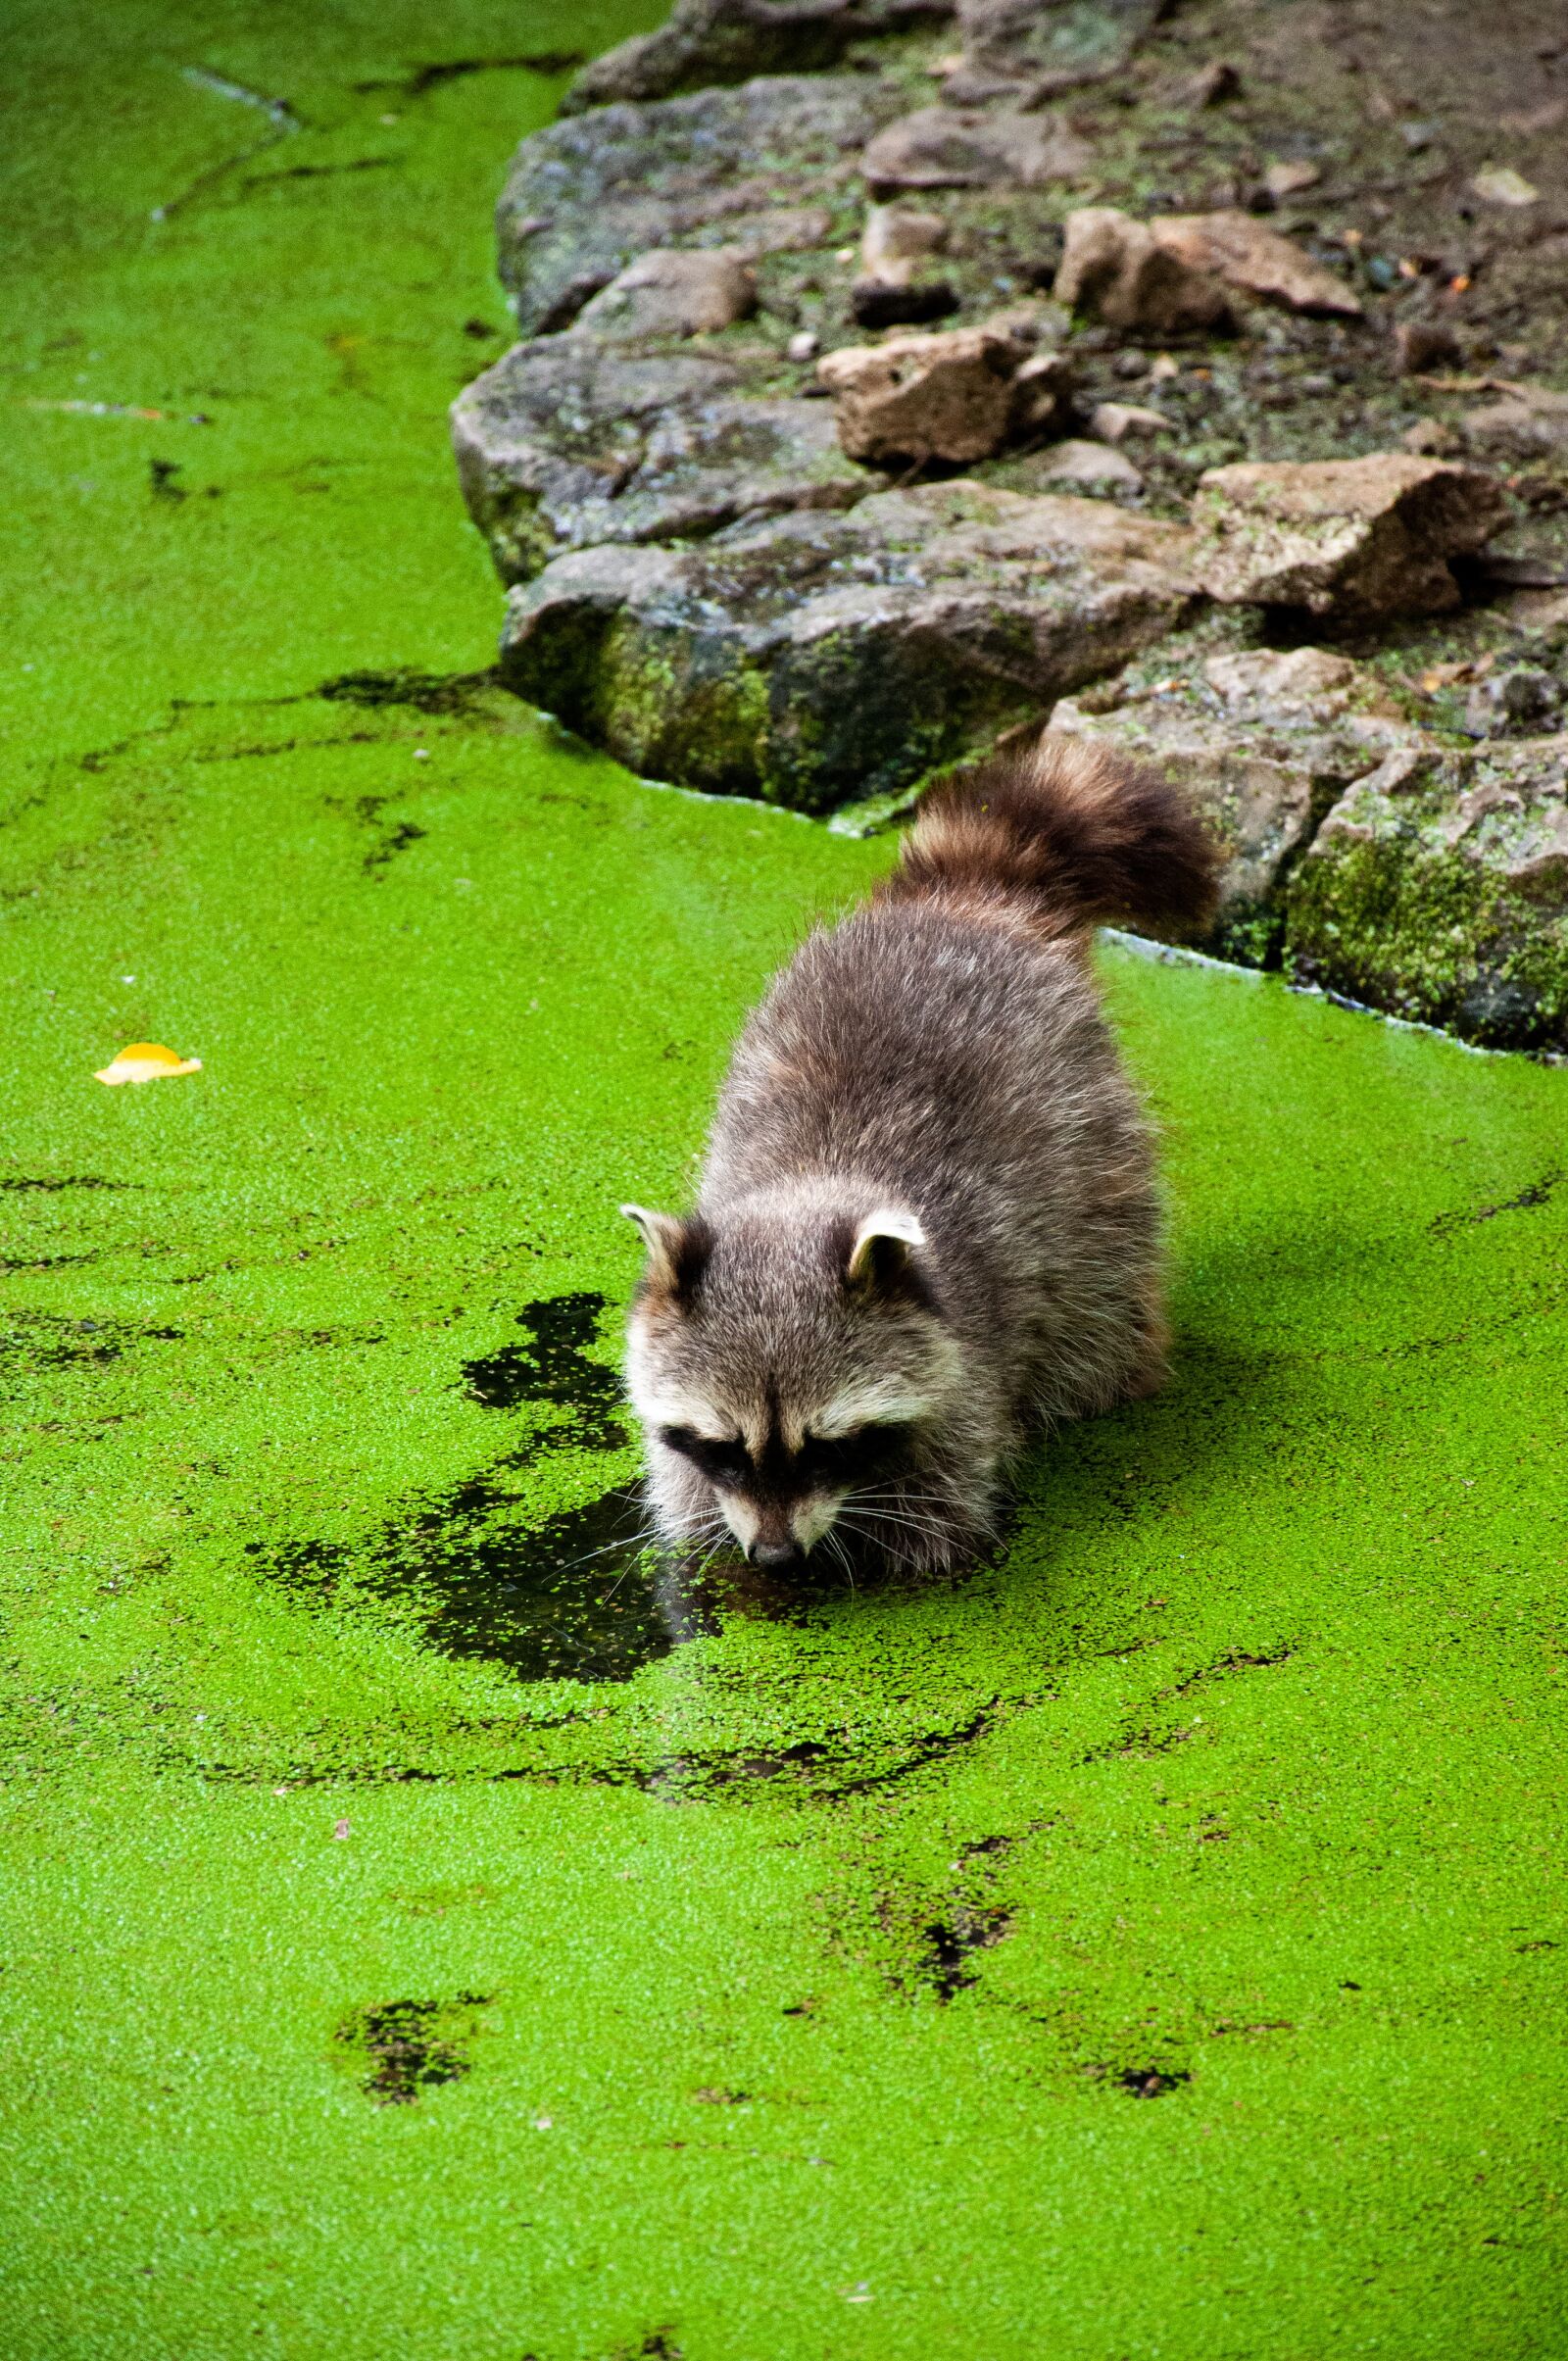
point(146, 1061)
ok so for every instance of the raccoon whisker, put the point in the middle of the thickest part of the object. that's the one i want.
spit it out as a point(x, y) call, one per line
point(929, 1521)
point(843, 1557)
point(642, 1540)
point(888, 1531)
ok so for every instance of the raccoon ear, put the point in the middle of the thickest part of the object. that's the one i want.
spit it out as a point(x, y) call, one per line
point(884, 1243)
point(677, 1248)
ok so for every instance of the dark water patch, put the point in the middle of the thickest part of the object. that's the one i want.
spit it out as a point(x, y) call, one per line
point(1144, 1743)
point(427, 692)
point(163, 479)
point(1235, 1660)
point(658, 2344)
point(1150, 2081)
point(935, 1747)
point(827, 1768)
point(553, 1368)
point(396, 840)
point(322, 172)
point(64, 1180)
point(431, 75)
point(1539, 1192)
point(810, 1765)
point(44, 1340)
point(1142, 1739)
point(577, 1597)
point(408, 2045)
point(43, 1262)
point(951, 1944)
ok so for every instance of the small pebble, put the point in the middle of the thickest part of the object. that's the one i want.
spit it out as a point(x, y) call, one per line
point(804, 346)
point(1290, 176)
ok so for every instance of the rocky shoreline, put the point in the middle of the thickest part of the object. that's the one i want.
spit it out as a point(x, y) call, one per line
point(872, 402)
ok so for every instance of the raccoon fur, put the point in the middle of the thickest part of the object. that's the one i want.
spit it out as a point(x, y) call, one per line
point(928, 1225)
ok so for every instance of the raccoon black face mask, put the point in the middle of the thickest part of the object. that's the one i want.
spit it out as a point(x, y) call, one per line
point(928, 1223)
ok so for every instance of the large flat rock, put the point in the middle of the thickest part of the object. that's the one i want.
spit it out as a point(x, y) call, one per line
point(816, 658)
point(587, 196)
point(1437, 888)
point(571, 441)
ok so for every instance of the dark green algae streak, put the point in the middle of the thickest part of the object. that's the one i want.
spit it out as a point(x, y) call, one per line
point(1148, 1944)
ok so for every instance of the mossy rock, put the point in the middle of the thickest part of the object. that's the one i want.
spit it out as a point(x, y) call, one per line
point(818, 657)
point(1437, 889)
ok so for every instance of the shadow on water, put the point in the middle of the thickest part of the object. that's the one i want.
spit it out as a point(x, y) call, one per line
point(554, 1366)
point(578, 1596)
point(575, 1597)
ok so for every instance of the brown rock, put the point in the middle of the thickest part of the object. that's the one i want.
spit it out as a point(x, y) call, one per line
point(782, 229)
point(1530, 422)
point(1091, 466)
point(1536, 610)
point(948, 147)
point(674, 293)
point(1113, 264)
point(1125, 421)
point(1255, 259)
point(895, 239)
point(1355, 537)
point(918, 398)
point(1431, 438)
point(1210, 84)
point(1290, 176)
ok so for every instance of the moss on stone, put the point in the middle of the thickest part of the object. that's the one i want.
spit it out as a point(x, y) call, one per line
point(1402, 904)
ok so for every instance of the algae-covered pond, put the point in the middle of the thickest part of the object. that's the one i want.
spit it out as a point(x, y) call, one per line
point(426, 1930)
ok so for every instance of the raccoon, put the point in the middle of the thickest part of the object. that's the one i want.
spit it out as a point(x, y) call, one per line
point(928, 1225)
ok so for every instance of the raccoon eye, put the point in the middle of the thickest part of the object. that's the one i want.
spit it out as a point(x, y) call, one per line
point(722, 1462)
point(856, 1457)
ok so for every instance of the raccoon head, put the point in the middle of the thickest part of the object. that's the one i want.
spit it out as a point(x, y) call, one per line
point(784, 1357)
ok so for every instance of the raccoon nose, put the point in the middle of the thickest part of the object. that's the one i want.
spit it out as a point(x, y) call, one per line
point(778, 1557)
